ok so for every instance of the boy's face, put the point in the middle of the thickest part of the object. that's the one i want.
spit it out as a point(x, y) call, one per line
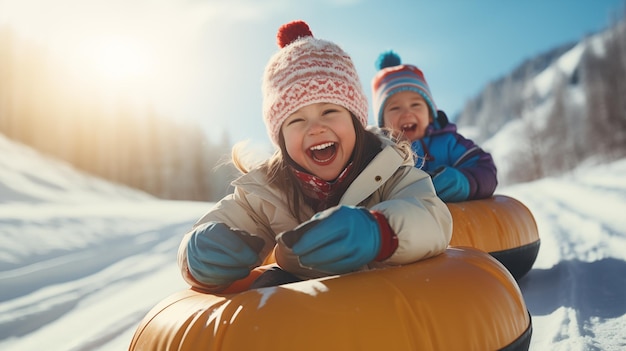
point(407, 114)
point(320, 137)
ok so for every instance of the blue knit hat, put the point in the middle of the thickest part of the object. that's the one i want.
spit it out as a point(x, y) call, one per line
point(394, 77)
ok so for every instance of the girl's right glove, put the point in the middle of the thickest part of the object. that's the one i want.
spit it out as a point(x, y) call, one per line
point(219, 255)
point(341, 239)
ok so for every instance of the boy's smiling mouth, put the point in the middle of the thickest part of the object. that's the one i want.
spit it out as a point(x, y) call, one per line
point(409, 127)
point(323, 153)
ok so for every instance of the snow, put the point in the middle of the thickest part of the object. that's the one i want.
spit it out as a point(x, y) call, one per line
point(544, 83)
point(82, 261)
point(576, 291)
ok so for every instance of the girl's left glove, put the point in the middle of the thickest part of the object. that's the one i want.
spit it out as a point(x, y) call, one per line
point(341, 239)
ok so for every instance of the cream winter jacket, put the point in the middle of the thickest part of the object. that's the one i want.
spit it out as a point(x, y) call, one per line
point(390, 184)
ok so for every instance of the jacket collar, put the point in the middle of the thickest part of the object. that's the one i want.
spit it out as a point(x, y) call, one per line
point(380, 169)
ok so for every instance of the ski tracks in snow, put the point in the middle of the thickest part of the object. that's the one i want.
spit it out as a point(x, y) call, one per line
point(579, 274)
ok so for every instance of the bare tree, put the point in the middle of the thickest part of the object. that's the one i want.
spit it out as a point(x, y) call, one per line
point(605, 91)
point(557, 145)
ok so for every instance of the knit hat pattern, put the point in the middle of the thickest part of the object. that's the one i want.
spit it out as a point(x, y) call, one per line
point(394, 77)
point(305, 71)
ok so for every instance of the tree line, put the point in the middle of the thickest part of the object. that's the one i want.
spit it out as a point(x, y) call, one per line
point(173, 160)
point(124, 144)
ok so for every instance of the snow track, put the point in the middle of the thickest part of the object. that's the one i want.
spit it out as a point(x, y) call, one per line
point(576, 289)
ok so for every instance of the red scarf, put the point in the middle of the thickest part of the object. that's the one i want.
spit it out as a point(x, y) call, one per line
point(317, 188)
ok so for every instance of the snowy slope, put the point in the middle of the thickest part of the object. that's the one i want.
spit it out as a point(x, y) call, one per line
point(80, 256)
point(576, 291)
point(82, 261)
point(29, 177)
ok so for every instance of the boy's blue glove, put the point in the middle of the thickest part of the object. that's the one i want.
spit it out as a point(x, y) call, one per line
point(219, 255)
point(451, 185)
point(338, 240)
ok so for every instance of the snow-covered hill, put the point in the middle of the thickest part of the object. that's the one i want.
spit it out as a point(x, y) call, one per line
point(82, 261)
point(560, 108)
point(502, 100)
point(28, 177)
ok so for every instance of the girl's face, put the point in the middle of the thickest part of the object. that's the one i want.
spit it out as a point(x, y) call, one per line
point(407, 114)
point(320, 137)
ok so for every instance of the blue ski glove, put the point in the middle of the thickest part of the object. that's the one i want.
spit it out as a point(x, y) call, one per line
point(335, 241)
point(451, 185)
point(219, 255)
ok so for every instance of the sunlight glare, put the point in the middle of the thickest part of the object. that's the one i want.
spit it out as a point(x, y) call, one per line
point(116, 59)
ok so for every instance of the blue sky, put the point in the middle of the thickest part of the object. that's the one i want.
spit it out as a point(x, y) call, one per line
point(203, 60)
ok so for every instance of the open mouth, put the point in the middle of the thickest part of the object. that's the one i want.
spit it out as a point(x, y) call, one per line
point(323, 153)
point(408, 128)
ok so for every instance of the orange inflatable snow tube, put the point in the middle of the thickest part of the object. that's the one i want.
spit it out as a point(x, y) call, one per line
point(463, 299)
point(501, 226)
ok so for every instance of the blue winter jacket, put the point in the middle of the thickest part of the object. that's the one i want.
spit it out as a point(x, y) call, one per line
point(460, 170)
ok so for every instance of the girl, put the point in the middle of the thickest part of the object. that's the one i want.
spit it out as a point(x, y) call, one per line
point(334, 198)
point(403, 103)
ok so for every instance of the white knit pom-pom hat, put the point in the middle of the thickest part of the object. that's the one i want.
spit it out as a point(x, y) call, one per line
point(305, 71)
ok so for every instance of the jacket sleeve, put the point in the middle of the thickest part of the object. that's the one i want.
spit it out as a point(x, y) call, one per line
point(475, 164)
point(420, 219)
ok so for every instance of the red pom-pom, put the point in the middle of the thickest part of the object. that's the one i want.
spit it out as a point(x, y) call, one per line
point(290, 32)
